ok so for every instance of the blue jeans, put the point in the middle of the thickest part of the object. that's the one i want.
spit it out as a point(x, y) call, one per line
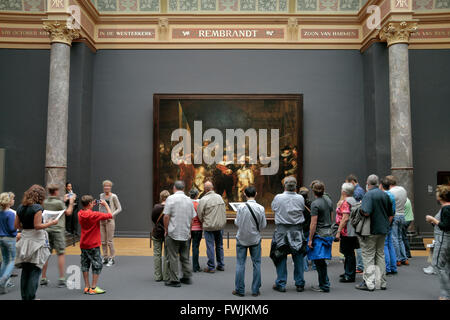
point(298, 271)
point(397, 238)
point(196, 238)
point(8, 249)
point(29, 280)
point(214, 238)
point(389, 253)
point(241, 256)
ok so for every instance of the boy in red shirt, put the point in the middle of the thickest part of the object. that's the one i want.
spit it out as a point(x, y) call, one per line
point(90, 241)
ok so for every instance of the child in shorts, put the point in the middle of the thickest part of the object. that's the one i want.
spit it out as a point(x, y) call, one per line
point(90, 242)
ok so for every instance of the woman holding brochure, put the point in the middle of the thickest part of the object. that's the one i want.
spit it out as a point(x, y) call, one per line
point(32, 249)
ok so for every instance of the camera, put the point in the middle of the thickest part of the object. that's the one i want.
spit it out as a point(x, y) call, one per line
point(97, 202)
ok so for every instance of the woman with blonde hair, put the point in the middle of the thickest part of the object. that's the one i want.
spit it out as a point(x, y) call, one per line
point(441, 253)
point(7, 240)
point(32, 249)
point(107, 227)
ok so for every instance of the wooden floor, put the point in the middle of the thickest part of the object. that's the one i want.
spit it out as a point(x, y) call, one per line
point(141, 247)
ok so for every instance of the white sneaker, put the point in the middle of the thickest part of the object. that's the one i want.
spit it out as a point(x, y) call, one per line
point(9, 284)
point(110, 262)
point(429, 270)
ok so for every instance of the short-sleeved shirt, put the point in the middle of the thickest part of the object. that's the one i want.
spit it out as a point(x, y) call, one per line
point(322, 208)
point(55, 204)
point(344, 208)
point(358, 194)
point(288, 208)
point(444, 223)
point(180, 209)
point(7, 218)
point(378, 206)
point(400, 196)
point(409, 215)
point(159, 229)
point(26, 215)
point(391, 196)
point(196, 223)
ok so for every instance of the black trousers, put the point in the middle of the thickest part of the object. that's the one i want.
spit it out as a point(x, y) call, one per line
point(347, 247)
point(29, 280)
point(196, 237)
point(321, 267)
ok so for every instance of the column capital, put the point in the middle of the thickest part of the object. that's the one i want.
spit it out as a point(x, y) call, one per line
point(60, 31)
point(397, 32)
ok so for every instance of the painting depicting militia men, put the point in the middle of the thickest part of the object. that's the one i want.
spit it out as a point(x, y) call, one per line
point(195, 145)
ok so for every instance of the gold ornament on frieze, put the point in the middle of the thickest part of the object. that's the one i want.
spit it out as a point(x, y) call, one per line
point(397, 32)
point(60, 31)
point(292, 29)
point(163, 28)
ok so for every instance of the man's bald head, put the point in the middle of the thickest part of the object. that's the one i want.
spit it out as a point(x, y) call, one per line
point(208, 186)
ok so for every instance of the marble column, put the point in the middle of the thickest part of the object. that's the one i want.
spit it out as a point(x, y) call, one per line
point(58, 102)
point(397, 36)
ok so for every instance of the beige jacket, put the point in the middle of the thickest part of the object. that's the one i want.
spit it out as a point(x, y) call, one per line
point(114, 204)
point(211, 212)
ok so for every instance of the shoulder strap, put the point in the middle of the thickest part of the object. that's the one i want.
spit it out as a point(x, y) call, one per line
point(253, 215)
point(159, 218)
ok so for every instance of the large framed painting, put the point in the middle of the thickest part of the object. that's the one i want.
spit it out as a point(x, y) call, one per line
point(232, 140)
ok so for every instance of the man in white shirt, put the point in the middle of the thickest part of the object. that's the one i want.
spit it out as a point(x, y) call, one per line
point(178, 214)
point(398, 224)
point(250, 220)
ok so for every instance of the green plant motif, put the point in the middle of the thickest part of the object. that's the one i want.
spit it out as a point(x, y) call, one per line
point(349, 5)
point(11, 5)
point(306, 5)
point(248, 5)
point(106, 5)
point(188, 5)
point(442, 4)
point(209, 5)
point(173, 5)
point(149, 5)
point(267, 5)
point(283, 5)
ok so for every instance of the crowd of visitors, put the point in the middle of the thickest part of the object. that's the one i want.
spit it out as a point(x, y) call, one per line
point(27, 239)
point(371, 223)
point(370, 226)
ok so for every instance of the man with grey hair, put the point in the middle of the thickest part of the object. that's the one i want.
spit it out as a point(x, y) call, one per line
point(212, 213)
point(377, 205)
point(178, 214)
point(288, 237)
